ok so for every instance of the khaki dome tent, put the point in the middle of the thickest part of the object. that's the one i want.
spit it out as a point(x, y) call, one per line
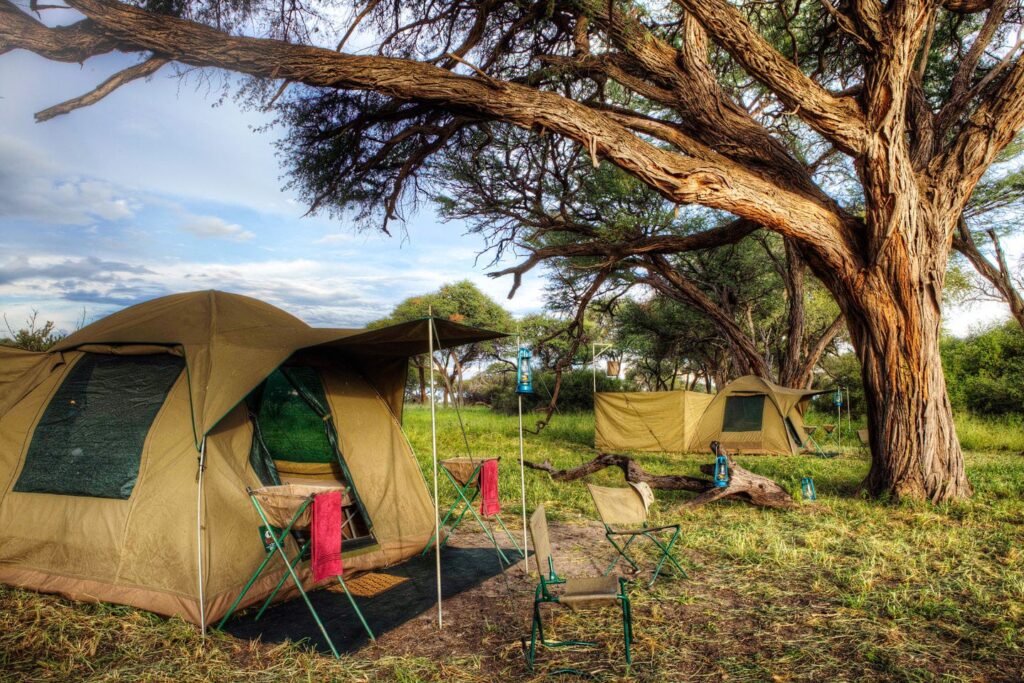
point(647, 420)
point(100, 441)
point(753, 415)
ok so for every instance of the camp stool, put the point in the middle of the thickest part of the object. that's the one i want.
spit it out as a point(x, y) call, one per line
point(464, 474)
point(285, 509)
point(629, 507)
point(579, 593)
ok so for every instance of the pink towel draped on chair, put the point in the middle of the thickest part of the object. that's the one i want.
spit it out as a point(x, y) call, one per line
point(489, 503)
point(326, 530)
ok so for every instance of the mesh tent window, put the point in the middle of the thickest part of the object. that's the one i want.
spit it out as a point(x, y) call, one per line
point(90, 438)
point(743, 413)
point(291, 430)
point(292, 422)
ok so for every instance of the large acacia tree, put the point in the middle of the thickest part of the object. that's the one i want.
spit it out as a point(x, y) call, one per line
point(919, 95)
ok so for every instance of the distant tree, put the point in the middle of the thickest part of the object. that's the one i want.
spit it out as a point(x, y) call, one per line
point(34, 336)
point(664, 340)
point(460, 302)
point(986, 369)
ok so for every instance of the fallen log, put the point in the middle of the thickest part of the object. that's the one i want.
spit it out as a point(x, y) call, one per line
point(743, 484)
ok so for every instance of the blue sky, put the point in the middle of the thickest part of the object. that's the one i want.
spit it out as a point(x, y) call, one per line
point(156, 190)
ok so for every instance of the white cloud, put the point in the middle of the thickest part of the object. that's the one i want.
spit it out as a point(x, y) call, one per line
point(212, 227)
point(32, 188)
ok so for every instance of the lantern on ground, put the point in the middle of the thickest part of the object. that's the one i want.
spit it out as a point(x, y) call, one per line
point(721, 466)
point(807, 488)
point(524, 373)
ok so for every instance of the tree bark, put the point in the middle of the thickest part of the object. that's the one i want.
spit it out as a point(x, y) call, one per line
point(894, 319)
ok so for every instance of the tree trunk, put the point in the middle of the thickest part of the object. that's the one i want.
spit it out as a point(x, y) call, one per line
point(910, 419)
point(893, 313)
point(423, 383)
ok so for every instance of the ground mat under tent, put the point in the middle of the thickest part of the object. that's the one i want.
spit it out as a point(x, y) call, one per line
point(397, 594)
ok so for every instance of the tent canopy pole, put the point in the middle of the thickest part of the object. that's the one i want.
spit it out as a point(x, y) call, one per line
point(433, 450)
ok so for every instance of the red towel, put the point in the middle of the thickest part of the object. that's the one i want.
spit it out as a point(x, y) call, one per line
point(327, 535)
point(489, 503)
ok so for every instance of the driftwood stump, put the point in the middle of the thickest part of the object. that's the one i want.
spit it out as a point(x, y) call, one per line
point(743, 484)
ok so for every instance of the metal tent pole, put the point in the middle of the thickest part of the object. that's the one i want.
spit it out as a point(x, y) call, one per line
point(199, 534)
point(522, 481)
point(433, 450)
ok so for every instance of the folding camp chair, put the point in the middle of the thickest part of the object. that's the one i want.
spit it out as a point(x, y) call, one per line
point(581, 593)
point(629, 506)
point(864, 437)
point(284, 510)
point(464, 474)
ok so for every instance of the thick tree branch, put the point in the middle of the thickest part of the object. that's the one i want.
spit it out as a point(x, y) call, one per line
point(75, 43)
point(992, 126)
point(838, 119)
point(146, 68)
point(728, 187)
point(998, 275)
point(669, 244)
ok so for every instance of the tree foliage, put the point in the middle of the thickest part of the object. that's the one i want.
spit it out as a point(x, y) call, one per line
point(34, 336)
point(460, 302)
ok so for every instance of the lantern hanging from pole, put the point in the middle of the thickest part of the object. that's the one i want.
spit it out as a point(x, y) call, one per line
point(721, 467)
point(613, 368)
point(524, 372)
point(837, 400)
point(807, 487)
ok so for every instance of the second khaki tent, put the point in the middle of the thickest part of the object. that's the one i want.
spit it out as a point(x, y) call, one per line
point(753, 415)
point(647, 421)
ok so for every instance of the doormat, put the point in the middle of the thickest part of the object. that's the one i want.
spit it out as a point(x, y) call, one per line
point(369, 584)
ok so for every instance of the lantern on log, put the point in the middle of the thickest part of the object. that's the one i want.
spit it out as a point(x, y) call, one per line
point(524, 372)
point(721, 466)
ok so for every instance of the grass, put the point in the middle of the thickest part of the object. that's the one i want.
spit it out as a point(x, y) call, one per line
point(841, 589)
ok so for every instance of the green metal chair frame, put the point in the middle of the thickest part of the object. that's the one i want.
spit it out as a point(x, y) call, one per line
point(543, 595)
point(644, 531)
point(472, 487)
point(278, 549)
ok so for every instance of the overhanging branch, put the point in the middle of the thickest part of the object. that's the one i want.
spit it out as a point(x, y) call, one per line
point(146, 68)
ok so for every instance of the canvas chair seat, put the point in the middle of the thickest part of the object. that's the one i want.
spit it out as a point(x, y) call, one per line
point(280, 502)
point(464, 470)
point(589, 592)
